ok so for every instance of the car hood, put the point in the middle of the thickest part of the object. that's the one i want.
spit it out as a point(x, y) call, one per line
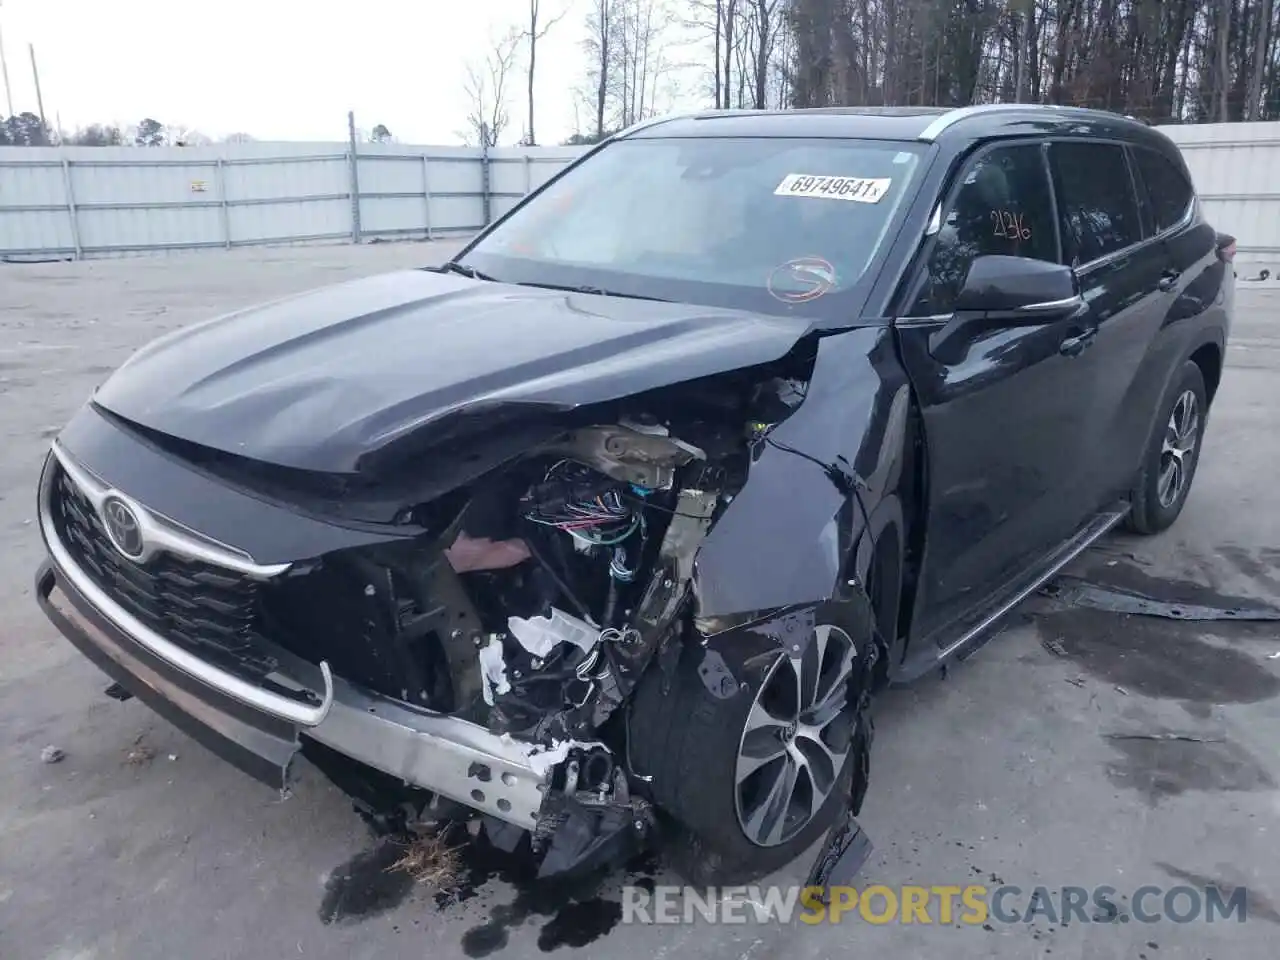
point(323, 380)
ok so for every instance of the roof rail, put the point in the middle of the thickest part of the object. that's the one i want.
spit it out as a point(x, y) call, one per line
point(952, 117)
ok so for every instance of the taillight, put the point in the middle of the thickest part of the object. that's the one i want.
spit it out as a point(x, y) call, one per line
point(1226, 248)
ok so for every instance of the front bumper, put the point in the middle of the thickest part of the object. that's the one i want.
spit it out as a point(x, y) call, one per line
point(457, 759)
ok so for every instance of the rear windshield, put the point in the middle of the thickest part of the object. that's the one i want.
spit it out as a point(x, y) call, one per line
point(774, 225)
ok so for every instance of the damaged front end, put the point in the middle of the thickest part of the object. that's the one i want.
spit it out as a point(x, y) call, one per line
point(476, 640)
point(535, 598)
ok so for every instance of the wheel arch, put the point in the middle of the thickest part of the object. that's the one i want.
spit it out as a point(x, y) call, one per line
point(1208, 357)
point(877, 568)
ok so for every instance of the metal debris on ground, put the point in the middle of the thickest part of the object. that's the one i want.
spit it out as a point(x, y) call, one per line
point(51, 754)
point(1183, 737)
point(1075, 682)
point(1055, 647)
point(1121, 690)
point(1079, 592)
point(847, 848)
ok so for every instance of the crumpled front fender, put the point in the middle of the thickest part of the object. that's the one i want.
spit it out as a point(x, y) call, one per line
point(786, 537)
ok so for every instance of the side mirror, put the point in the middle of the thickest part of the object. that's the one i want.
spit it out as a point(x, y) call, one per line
point(1018, 286)
point(1006, 291)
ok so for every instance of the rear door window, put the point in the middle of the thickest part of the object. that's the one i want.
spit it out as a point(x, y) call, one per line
point(1097, 205)
point(1002, 206)
point(1168, 189)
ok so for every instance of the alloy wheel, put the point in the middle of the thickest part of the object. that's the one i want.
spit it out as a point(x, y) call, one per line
point(796, 739)
point(1177, 453)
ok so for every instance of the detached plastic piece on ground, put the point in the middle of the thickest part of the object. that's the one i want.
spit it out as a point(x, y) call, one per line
point(842, 856)
point(593, 837)
point(117, 692)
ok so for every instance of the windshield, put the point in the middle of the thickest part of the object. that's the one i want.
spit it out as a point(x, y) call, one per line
point(773, 225)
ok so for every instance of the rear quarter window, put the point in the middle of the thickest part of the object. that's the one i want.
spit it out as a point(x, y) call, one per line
point(1168, 189)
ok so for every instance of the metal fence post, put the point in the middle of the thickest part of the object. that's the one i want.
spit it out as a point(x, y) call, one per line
point(528, 175)
point(220, 175)
point(354, 161)
point(484, 171)
point(426, 196)
point(71, 206)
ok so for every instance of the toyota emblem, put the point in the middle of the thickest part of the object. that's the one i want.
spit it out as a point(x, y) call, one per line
point(123, 527)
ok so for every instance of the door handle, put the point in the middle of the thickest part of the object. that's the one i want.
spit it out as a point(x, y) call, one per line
point(1169, 279)
point(1074, 346)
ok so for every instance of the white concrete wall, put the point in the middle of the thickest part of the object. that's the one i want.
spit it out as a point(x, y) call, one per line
point(1236, 168)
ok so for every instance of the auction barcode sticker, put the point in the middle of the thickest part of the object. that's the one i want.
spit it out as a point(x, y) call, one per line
point(859, 189)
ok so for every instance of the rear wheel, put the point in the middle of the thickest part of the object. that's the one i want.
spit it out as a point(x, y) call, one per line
point(1169, 466)
point(757, 777)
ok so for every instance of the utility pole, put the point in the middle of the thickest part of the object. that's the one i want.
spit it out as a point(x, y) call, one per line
point(35, 75)
point(4, 72)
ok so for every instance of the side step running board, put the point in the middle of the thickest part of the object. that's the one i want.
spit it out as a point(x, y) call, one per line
point(1096, 529)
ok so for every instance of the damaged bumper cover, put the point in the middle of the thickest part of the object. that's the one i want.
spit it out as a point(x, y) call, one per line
point(457, 759)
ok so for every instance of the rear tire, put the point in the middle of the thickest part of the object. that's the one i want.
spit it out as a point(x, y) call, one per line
point(703, 752)
point(1169, 464)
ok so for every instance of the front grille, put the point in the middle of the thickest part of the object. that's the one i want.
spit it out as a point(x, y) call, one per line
point(210, 611)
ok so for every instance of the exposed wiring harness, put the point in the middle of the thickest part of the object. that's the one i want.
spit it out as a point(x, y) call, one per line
point(603, 520)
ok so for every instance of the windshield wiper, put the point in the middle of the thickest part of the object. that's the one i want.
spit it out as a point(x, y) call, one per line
point(597, 291)
point(452, 266)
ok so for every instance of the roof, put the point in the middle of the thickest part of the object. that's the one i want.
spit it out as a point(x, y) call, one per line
point(923, 124)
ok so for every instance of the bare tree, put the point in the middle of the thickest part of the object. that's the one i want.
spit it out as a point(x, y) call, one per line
point(641, 65)
point(1161, 60)
point(1224, 67)
point(1259, 65)
point(762, 24)
point(601, 29)
point(726, 23)
point(717, 19)
point(486, 88)
point(533, 34)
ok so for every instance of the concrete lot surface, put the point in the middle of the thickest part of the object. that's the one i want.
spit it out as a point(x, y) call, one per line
point(1079, 748)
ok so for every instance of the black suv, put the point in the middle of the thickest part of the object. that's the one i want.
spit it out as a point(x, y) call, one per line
point(629, 508)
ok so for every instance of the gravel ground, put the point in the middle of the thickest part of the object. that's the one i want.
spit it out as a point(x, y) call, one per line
point(139, 844)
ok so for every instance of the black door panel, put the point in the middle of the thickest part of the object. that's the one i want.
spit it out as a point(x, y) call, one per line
point(1128, 304)
point(1000, 406)
point(1004, 437)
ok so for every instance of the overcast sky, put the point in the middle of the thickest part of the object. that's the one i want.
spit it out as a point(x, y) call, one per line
point(281, 69)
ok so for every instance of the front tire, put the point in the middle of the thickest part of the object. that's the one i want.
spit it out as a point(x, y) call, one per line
point(758, 777)
point(1169, 464)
